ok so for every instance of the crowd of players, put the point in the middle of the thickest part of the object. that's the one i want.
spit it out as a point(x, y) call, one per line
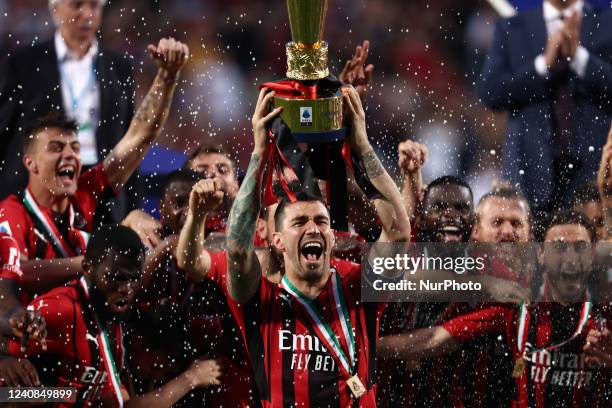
point(225, 302)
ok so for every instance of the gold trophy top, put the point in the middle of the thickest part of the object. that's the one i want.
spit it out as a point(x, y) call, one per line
point(307, 53)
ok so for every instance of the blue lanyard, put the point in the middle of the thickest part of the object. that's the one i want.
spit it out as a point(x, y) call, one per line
point(73, 98)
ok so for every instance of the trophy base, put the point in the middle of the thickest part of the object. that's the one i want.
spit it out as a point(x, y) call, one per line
point(313, 120)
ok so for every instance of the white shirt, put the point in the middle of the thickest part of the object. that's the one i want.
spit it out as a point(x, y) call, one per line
point(553, 19)
point(80, 94)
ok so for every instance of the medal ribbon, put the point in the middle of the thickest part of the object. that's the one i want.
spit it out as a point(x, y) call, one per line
point(107, 355)
point(323, 329)
point(50, 230)
point(523, 328)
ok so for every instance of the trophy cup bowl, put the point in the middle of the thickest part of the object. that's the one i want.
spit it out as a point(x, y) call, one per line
point(314, 112)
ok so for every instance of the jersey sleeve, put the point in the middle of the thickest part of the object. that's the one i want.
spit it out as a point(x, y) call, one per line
point(91, 185)
point(9, 259)
point(474, 324)
point(59, 312)
point(218, 269)
point(14, 222)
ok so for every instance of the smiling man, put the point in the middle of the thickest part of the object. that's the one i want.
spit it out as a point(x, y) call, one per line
point(52, 217)
point(85, 321)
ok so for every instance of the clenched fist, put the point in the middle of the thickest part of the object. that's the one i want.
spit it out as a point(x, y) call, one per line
point(170, 55)
point(206, 196)
point(412, 156)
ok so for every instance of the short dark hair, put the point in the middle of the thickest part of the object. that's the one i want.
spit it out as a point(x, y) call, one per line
point(566, 217)
point(587, 193)
point(207, 149)
point(55, 120)
point(446, 181)
point(180, 176)
point(284, 202)
point(507, 192)
point(117, 238)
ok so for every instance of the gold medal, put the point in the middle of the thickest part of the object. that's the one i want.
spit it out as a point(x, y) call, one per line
point(519, 367)
point(356, 386)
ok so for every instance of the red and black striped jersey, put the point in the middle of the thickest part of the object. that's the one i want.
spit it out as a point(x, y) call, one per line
point(73, 356)
point(552, 378)
point(291, 365)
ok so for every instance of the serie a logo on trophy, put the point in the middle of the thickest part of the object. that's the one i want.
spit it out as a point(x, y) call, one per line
point(312, 114)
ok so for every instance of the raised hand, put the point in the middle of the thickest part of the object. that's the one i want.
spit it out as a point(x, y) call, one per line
point(355, 72)
point(412, 156)
point(169, 54)
point(358, 138)
point(206, 195)
point(261, 118)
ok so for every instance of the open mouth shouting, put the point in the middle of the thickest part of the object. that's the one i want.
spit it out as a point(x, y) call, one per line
point(66, 174)
point(311, 251)
point(450, 233)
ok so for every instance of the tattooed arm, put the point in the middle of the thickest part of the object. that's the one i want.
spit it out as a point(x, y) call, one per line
point(390, 208)
point(170, 56)
point(243, 269)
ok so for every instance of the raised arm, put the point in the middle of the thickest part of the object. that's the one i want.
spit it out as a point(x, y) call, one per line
point(170, 55)
point(206, 195)
point(244, 271)
point(390, 209)
point(412, 156)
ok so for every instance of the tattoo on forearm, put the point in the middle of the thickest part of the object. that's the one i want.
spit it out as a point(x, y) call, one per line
point(372, 164)
point(155, 104)
point(244, 212)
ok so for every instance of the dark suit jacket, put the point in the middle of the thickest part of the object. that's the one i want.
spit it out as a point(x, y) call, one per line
point(30, 88)
point(509, 82)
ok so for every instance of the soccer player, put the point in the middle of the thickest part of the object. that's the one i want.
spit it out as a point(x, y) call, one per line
point(548, 339)
point(209, 329)
point(52, 217)
point(85, 329)
point(305, 349)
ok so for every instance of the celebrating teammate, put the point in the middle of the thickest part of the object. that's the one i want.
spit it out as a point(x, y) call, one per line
point(554, 365)
point(85, 330)
point(53, 215)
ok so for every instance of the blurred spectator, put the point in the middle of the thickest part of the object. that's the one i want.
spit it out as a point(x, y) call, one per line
point(551, 69)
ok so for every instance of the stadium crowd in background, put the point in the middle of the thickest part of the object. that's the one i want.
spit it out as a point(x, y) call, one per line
point(231, 299)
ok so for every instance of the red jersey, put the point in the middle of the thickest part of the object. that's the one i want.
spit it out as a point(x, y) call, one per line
point(292, 366)
point(36, 228)
point(552, 378)
point(74, 355)
point(9, 259)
